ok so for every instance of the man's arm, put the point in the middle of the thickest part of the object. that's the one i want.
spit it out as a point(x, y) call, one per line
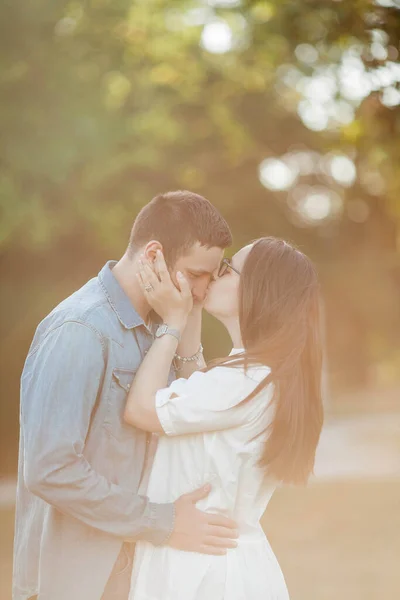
point(60, 385)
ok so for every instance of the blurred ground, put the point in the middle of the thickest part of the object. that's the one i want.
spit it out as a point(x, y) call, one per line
point(336, 539)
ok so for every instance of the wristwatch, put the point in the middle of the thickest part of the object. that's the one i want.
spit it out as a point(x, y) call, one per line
point(164, 329)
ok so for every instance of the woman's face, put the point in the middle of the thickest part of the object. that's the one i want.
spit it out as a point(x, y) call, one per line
point(223, 294)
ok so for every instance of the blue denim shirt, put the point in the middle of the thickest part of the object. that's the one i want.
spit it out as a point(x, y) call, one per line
point(80, 464)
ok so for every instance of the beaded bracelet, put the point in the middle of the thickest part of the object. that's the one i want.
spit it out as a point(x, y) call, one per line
point(186, 359)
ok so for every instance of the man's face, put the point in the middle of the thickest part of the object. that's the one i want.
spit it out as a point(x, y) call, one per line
point(200, 266)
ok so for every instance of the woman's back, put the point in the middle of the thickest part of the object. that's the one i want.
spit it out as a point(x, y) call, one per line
point(213, 437)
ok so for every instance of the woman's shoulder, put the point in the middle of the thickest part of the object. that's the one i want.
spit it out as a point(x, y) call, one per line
point(237, 373)
point(228, 380)
point(234, 380)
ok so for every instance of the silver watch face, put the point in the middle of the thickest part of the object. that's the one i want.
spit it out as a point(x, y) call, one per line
point(162, 330)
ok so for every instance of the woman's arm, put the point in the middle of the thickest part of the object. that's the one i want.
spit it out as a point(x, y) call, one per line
point(151, 376)
point(190, 344)
point(173, 305)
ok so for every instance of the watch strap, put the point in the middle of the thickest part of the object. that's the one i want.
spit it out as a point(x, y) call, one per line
point(164, 329)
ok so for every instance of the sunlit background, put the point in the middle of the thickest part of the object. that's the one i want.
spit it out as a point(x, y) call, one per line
point(286, 115)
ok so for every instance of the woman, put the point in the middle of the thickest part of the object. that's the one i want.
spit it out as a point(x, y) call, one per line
point(245, 424)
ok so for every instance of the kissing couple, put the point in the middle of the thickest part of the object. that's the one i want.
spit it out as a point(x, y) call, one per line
point(143, 472)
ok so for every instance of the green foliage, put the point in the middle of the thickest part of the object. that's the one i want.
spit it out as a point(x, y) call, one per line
point(101, 94)
point(104, 103)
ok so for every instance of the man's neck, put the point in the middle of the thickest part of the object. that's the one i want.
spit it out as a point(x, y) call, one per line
point(125, 273)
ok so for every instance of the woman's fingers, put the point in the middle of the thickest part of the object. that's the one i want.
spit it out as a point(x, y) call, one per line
point(183, 284)
point(145, 283)
point(185, 292)
point(161, 267)
point(159, 289)
point(148, 274)
point(142, 283)
point(139, 277)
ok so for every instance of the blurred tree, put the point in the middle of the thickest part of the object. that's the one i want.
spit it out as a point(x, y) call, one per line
point(106, 102)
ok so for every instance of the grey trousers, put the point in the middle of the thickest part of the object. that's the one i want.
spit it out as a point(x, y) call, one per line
point(119, 582)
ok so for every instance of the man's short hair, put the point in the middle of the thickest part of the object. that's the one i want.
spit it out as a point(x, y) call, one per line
point(178, 220)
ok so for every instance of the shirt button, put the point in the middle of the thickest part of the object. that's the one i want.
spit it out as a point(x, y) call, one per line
point(129, 386)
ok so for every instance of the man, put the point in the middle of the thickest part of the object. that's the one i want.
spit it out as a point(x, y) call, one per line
point(80, 465)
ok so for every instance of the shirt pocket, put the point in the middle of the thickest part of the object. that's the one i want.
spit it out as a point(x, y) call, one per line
point(114, 423)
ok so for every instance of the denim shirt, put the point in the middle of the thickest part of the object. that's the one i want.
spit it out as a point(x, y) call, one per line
point(80, 464)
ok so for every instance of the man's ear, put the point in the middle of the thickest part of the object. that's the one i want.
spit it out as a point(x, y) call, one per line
point(150, 251)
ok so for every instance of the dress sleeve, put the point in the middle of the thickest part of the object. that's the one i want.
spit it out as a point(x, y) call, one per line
point(209, 401)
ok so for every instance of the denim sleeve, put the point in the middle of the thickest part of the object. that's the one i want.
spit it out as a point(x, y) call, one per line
point(59, 387)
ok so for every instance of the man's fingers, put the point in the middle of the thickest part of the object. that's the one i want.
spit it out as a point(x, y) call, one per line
point(220, 542)
point(212, 550)
point(222, 521)
point(199, 494)
point(223, 532)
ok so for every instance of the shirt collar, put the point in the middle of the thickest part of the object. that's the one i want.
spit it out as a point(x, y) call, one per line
point(236, 351)
point(117, 298)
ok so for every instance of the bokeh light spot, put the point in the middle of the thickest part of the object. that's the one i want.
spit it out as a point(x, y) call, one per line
point(316, 206)
point(276, 174)
point(313, 115)
point(217, 37)
point(312, 205)
point(343, 170)
point(224, 3)
point(390, 97)
point(379, 51)
point(306, 54)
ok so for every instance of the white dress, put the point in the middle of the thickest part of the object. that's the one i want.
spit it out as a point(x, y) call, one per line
point(210, 438)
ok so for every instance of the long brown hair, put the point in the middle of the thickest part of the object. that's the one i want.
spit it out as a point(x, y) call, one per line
point(280, 327)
